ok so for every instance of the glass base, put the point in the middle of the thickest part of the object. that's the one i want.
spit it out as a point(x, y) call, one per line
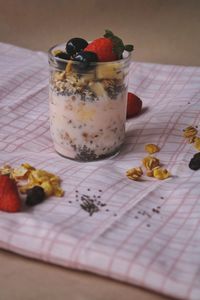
point(93, 159)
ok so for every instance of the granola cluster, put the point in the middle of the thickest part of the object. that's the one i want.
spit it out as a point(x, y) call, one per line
point(28, 177)
point(190, 134)
point(151, 166)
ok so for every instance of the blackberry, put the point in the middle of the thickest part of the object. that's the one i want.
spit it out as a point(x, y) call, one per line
point(35, 196)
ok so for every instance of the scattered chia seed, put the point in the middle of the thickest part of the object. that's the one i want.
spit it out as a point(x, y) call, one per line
point(136, 217)
point(155, 210)
point(148, 225)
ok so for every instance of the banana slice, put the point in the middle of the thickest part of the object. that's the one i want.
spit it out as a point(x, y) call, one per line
point(97, 88)
point(109, 71)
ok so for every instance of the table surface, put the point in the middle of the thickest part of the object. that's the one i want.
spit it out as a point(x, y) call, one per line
point(26, 279)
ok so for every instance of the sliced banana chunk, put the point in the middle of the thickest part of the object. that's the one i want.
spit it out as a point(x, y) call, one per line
point(109, 71)
point(97, 88)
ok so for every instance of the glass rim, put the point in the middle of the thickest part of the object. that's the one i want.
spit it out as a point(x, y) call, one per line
point(58, 59)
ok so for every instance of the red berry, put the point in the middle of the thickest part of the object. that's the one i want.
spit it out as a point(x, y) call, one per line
point(9, 196)
point(134, 105)
point(103, 47)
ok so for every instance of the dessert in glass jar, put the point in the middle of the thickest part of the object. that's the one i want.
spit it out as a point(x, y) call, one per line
point(88, 97)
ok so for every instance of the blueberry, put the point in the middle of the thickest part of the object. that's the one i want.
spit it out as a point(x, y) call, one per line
point(85, 57)
point(35, 196)
point(61, 63)
point(63, 55)
point(197, 155)
point(75, 45)
point(194, 163)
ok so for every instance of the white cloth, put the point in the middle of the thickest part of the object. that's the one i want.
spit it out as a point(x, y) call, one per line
point(127, 239)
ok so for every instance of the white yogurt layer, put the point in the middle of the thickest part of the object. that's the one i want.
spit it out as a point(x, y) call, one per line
point(87, 130)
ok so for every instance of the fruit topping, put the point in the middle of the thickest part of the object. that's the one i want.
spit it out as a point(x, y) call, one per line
point(75, 45)
point(108, 48)
point(35, 196)
point(85, 57)
point(134, 105)
point(63, 55)
point(9, 196)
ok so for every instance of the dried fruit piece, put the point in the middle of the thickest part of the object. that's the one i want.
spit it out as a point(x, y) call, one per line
point(161, 173)
point(151, 148)
point(134, 173)
point(197, 143)
point(150, 162)
point(189, 132)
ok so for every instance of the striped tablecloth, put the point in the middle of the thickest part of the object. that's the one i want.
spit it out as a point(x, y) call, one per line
point(148, 234)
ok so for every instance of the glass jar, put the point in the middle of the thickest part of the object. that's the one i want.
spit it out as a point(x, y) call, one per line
point(87, 106)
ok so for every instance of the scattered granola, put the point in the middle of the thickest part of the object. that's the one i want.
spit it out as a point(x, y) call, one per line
point(34, 177)
point(134, 173)
point(151, 165)
point(161, 173)
point(151, 148)
point(197, 143)
point(150, 162)
point(189, 132)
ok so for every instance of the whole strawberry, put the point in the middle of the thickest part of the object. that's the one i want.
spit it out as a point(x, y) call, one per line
point(134, 105)
point(108, 48)
point(9, 196)
point(103, 47)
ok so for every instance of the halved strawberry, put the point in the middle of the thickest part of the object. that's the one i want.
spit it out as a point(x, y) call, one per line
point(9, 195)
point(134, 105)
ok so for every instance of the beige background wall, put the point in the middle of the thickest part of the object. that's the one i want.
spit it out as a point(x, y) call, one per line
point(163, 31)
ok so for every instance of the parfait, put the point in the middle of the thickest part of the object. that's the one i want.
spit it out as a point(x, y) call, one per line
point(88, 97)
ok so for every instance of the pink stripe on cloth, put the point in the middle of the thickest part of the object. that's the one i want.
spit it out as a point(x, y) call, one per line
point(148, 234)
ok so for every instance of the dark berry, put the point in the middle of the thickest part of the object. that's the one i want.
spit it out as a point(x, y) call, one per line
point(85, 57)
point(197, 155)
point(61, 64)
point(35, 196)
point(194, 163)
point(63, 55)
point(75, 45)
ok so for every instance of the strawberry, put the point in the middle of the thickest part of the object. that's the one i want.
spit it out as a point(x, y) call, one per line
point(103, 47)
point(108, 48)
point(9, 196)
point(134, 105)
